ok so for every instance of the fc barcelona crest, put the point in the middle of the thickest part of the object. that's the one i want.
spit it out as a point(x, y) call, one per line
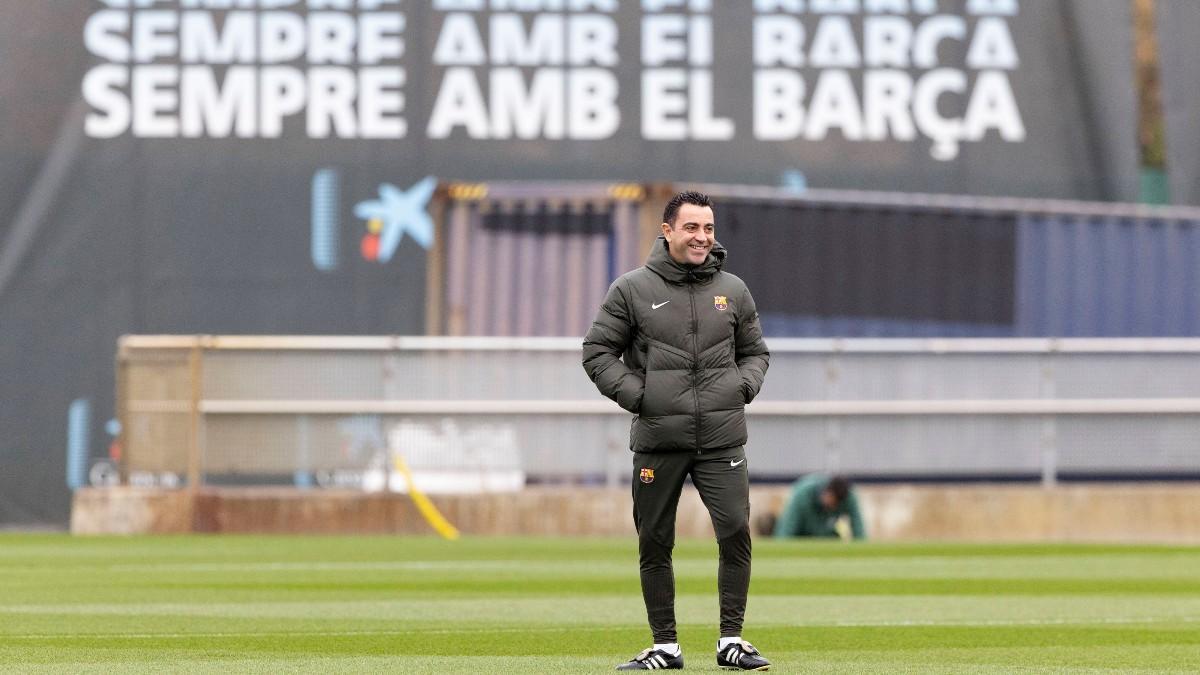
point(647, 475)
point(721, 302)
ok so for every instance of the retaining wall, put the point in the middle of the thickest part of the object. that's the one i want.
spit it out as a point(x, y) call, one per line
point(1109, 512)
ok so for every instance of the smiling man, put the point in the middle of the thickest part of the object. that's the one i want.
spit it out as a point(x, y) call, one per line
point(677, 342)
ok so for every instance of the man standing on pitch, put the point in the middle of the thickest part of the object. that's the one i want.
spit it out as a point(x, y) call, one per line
point(677, 342)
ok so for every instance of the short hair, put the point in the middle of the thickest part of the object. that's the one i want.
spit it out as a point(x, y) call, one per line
point(839, 487)
point(672, 209)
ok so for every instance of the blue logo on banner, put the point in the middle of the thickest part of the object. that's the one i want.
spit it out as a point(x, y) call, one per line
point(396, 213)
point(79, 416)
point(325, 221)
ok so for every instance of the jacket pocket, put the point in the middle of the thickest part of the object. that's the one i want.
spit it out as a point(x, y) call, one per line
point(722, 387)
point(630, 397)
point(668, 381)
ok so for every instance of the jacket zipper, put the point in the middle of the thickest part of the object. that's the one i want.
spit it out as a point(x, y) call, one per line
point(695, 326)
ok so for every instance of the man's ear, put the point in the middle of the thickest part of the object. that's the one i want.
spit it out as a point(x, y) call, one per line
point(666, 227)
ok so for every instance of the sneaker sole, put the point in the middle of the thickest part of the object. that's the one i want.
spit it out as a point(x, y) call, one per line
point(760, 668)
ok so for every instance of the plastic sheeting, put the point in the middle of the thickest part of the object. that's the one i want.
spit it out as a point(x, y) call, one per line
point(533, 267)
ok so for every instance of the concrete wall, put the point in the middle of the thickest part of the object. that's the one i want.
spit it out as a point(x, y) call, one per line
point(1119, 512)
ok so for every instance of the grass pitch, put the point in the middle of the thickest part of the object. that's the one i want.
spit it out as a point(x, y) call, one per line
point(498, 605)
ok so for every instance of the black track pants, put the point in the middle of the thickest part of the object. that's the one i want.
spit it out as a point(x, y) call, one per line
point(721, 478)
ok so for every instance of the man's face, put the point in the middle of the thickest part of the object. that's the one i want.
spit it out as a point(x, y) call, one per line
point(691, 238)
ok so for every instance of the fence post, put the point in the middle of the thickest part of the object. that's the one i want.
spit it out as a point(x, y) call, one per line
point(833, 424)
point(1049, 439)
point(194, 478)
point(122, 412)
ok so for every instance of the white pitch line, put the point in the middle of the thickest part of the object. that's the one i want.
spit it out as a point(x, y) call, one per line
point(326, 566)
point(299, 633)
point(1009, 622)
point(460, 631)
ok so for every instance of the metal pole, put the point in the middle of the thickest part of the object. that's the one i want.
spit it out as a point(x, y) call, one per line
point(833, 426)
point(435, 266)
point(1049, 440)
point(194, 477)
point(122, 411)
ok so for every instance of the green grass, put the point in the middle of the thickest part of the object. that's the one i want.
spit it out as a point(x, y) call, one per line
point(498, 605)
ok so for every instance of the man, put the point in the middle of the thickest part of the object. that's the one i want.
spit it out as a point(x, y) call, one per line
point(815, 506)
point(677, 342)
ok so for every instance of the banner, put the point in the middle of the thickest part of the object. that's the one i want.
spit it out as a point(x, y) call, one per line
point(957, 96)
point(266, 166)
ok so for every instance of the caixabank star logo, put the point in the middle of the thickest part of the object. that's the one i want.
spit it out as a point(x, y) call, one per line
point(396, 213)
point(386, 219)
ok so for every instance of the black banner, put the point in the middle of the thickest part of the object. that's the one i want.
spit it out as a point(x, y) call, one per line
point(266, 166)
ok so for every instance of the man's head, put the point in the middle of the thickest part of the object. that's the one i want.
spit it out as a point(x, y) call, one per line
point(835, 492)
point(688, 227)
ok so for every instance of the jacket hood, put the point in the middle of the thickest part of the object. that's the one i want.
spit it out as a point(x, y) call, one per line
point(661, 263)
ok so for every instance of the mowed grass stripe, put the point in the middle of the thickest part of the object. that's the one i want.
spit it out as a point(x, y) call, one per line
point(795, 608)
point(1171, 566)
point(1172, 622)
point(584, 640)
point(586, 586)
point(532, 614)
point(403, 604)
point(292, 548)
point(1016, 647)
point(321, 587)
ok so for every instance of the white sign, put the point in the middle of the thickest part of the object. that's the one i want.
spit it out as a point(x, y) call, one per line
point(861, 71)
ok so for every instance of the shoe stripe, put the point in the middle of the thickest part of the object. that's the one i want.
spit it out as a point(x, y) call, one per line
point(661, 661)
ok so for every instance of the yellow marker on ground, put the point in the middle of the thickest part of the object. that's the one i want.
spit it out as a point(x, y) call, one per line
point(432, 516)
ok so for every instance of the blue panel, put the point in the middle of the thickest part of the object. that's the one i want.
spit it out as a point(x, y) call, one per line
point(1190, 288)
point(1114, 292)
point(1087, 276)
point(325, 220)
point(78, 420)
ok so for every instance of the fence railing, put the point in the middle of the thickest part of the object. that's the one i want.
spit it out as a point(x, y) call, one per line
point(494, 413)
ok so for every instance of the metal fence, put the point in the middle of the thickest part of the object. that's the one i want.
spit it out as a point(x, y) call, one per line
point(824, 262)
point(495, 413)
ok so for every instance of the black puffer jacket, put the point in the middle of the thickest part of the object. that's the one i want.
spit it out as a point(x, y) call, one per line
point(681, 347)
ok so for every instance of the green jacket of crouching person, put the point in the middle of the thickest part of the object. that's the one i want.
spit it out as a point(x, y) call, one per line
point(815, 507)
